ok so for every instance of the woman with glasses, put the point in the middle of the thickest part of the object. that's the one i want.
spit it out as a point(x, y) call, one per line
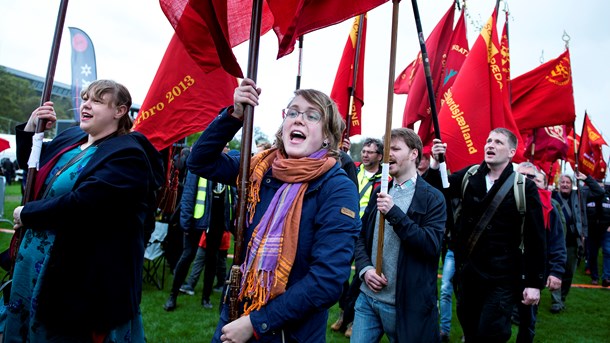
point(302, 219)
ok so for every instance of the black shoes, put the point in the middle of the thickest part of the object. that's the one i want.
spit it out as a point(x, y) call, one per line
point(170, 304)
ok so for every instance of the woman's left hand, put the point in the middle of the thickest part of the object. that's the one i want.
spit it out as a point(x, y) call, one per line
point(17, 217)
point(237, 331)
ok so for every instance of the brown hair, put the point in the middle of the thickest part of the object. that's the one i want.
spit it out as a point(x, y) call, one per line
point(119, 97)
point(411, 139)
point(332, 123)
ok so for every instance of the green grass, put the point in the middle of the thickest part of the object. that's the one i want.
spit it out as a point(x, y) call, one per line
point(586, 318)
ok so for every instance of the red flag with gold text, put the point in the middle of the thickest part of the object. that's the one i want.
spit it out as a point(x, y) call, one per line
point(544, 96)
point(453, 60)
point(476, 103)
point(344, 80)
point(183, 99)
point(590, 158)
point(417, 106)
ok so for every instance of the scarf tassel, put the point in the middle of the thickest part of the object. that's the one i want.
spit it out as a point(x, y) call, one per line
point(256, 288)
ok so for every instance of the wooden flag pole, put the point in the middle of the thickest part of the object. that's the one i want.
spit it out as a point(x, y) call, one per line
point(40, 127)
point(430, 88)
point(352, 89)
point(385, 166)
point(246, 151)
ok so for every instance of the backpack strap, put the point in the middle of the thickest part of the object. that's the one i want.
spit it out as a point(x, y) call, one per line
point(471, 171)
point(519, 190)
point(489, 212)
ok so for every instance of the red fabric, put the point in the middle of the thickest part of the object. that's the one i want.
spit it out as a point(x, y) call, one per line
point(550, 143)
point(437, 45)
point(183, 98)
point(294, 18)
point(544, 96)
point(225, 241)
point(573, 144)
point(477, 103)
point(547, 207)
point(505, 50)
point(455, 57)
point(344, 80)
point(590, 159)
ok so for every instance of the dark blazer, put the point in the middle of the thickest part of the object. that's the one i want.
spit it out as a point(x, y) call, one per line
point(94, 276)
point(421, 233)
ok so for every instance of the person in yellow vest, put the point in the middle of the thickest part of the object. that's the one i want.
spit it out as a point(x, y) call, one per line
point(369, 177)
point(199, 213)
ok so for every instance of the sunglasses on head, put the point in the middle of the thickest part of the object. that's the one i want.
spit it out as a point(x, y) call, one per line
point(529, 176)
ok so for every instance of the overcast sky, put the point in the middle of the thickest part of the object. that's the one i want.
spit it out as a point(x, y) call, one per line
point(130, 38)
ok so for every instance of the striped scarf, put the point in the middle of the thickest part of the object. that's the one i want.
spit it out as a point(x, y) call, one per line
point(273, 245)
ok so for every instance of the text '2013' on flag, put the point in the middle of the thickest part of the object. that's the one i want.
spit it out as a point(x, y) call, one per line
point(544, 96)
point(351, 64)
point(590, 158)
point(183, 99)
point(84, 70)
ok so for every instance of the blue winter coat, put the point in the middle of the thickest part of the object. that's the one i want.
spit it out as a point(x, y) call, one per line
point(94, 277)
point(328, 229)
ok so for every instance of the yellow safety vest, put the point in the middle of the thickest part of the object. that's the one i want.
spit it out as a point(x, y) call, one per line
point(200, 198)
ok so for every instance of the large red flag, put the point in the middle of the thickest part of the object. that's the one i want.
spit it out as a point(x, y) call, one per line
point(550, 144)
point(418, 105)
point(544, 96)
point(452, 62)
point(345, 77)
point(294, 18)
point(476, 103)
point(183, 99)
point(590, 157)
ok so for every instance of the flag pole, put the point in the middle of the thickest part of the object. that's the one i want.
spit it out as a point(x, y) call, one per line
point(40, 127)
point(430, 88)
point(385, 166)
point(300, 66)
point(246, 151)
point(352, 89)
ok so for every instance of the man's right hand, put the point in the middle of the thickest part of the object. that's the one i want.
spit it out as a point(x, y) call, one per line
point(438, 148)
point(373, 281)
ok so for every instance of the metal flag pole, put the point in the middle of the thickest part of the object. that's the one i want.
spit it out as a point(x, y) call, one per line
point(246, 151)
point(385, 166)
point(300, 67)
point(430, 88)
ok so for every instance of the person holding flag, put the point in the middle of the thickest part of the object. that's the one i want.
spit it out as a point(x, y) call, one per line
point(496, 264)
point(302, 218)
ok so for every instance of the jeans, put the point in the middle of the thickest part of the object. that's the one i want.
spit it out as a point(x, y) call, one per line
point(372, 319)
point(527, 322)
point(447, 292)
point(197, 268)
point(191, 243)
point(606, 256)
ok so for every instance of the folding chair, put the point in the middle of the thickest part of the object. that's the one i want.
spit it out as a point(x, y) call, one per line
point(154, 258)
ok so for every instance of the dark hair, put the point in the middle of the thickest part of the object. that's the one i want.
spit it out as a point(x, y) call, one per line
point(332, 123)
point(512, 139)
point(119, 97)
point(411, 139)
point(368, 141)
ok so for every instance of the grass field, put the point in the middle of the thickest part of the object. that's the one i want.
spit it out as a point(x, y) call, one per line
point(586, 319)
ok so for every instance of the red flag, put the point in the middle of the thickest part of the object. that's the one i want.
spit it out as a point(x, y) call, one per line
point(550, 144)
point(455, 57)
point(573, 145)
point(476, 103)
point(505, 50)
point(183, 99)
point(294, 18)
point(344, 79)
point(418, 105)
point(544, 96)
point(590, 158)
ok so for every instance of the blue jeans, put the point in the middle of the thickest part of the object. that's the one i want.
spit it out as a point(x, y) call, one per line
point(372, 319)
point(606, 256)
point(447, 292)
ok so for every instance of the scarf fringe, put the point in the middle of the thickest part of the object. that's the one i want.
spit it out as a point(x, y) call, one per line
point(257, 289)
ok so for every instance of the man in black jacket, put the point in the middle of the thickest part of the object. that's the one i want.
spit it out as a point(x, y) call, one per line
point(490, 268)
